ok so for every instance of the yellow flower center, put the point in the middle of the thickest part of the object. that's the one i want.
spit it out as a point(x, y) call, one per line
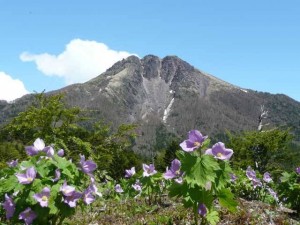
point(29, 179)
point(219, 154)
point(67, 191)
point(197, 144)
point(44, 198)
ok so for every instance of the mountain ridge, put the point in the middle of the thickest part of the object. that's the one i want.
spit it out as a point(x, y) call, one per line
point(172, 96)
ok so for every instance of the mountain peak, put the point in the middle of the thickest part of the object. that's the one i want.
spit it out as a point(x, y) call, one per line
point(132, 58)
point(169, 95)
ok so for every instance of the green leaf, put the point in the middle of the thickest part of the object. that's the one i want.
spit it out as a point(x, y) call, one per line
point(200, 195)
point(19, 187)
point(67, 168)
point(37, 185)
point(67, 172)
point(226, 199)
point(53, 198)
point(26, 164)
point(199, 170)
point(52, 207)
point(188, 202)
point(212, 217)
point(177, 190)
point(60, 162)
point(30, 200)
point(9, 184)
point(223, 177)
point(205, 144)
point(44, 168)
point(285, 177)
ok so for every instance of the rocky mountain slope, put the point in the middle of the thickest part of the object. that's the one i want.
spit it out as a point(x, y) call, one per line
point(169, 96)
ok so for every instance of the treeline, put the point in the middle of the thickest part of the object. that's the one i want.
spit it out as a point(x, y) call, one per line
point(272, 150)
point(50, 119)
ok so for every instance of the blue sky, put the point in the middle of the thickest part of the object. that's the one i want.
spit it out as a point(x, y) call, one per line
point(50, 44)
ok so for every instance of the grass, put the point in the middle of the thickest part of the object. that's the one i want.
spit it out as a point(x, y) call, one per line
point(138, 212)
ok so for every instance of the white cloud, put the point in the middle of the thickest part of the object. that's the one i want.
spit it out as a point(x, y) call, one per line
point(80, 61)
point(10, 88)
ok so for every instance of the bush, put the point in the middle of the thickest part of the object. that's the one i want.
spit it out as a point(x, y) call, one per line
point(46, 188)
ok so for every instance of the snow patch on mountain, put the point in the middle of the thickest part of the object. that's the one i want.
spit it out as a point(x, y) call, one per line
point(167, 111)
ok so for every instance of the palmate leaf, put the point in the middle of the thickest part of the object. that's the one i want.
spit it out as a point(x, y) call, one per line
point(27, 164)
point(30, 200)
point(223, 175)
point(9, 184)
point(178, 190)
point(188, 202)
point(60, 162)
point(285, 177)
point(199, 169)
point(200, 195)
point(67, 168)
point(205, 144)
point(44, 168)
point(226, 199)
point(37, 185)
point(212, 217)
point(53, 198)
point(67, 172)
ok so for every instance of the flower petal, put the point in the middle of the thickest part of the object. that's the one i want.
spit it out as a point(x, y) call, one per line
point(39, 144)
point(31, 172)
point(175, 165)
point(169, 175)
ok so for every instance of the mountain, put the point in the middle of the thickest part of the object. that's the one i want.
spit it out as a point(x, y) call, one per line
point(170, 97)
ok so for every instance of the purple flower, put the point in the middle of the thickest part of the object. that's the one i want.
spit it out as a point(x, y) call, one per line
point(179, 180)
point(202, 209)
point(43, 197)
point(38, 145)
point(66, 189)
point(28, 177)
point(118, 188)
point(61, 152)
point(88, 196)
point(256, 182)
point(219, 151)
point(273, 193)
point(87, 166)
point(9, 207)
point(28, 216)
point(298, 170)
point(174, 171)
point(233, 177)
point(250, 173)
point(267, 177)
point(148, 170)
point(57, 175)
point(94, 188)
point(13, 163)
point(49, 151)
point(130, 173)
point(195, 141)
point(73, 198)
point(137, 186)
